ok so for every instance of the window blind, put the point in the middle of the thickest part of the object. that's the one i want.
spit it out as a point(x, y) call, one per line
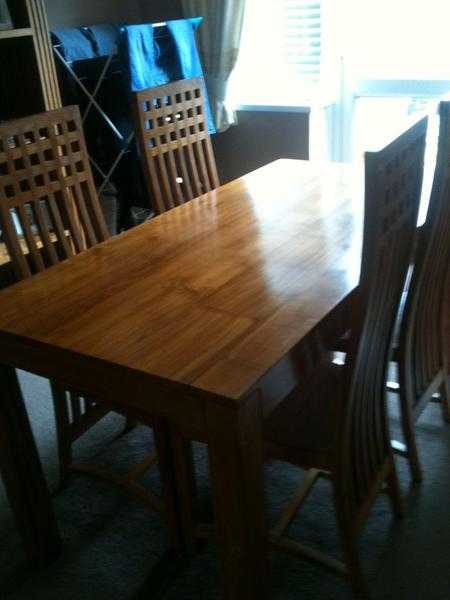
point(281, 54)
point(302, 31)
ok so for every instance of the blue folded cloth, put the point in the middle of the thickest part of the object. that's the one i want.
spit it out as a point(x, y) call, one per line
point(105, 38)
point(183, 33)
point(143, 57)
point(156, 60)
point(76, 45)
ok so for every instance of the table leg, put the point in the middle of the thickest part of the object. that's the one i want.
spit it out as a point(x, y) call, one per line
point(187, 488)
point(162, 436)
point(23, 476)
point(236, 458)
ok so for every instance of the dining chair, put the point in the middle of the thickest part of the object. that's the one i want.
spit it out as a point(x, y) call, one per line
point(335, 424)
point(49, 212)
point(175, 145)
point(421, 351)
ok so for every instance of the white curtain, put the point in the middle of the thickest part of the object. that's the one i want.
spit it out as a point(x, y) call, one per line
point(219, 39)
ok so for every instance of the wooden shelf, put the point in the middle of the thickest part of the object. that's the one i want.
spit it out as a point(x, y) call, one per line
point(6, 34)
point(28, 81)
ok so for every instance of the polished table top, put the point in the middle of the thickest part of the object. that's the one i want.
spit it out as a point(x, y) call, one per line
point(211, 294)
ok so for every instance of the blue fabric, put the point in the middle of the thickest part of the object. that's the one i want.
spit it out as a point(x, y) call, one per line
point(144, 58)
point(157, 60)
point(105, 39)
point(183, 33)
point(75, 44)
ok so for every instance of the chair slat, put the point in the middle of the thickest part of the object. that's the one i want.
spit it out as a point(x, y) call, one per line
point(95, 210)
point(164, 177)
point(30, 238)
point(36, 206)
point(182, 159)
point(64, 200)
point(211, 163)
point(77, 192)
point(198, 123)
point(58, 226)
point(42, 226)
point(19, 262)
point(176, 193)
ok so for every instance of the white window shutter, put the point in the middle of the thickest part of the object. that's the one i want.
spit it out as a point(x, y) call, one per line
point(303, 39)
point(281, 59)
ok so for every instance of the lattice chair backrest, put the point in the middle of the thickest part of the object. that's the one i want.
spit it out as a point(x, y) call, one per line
point(421, 338)
point(49, 208)
point(175, 144)
point(393, 181)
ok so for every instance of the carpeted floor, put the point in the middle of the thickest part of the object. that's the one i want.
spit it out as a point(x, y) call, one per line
point(111, 543)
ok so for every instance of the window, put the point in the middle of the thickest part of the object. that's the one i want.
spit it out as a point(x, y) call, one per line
point(398, 40)
point(302, 40)
point(282, 59)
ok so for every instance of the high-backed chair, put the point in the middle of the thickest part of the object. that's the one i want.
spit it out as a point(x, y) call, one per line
point(49, 211)
point(335, 424)
point(421, 353)
point(175, 144)
point(49, 206)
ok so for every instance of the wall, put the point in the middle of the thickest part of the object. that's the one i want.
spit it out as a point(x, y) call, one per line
point(258, 138)
point(160, 10)
point(86, 12)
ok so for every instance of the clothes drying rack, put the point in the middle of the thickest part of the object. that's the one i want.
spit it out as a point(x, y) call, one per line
point(125, 140)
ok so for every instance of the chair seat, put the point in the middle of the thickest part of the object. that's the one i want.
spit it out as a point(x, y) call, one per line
point(4, 254)
point(302, 428)
point(5, 257)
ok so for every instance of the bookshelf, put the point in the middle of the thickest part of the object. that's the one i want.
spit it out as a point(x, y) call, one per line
point(28, 81)
point(6, 34)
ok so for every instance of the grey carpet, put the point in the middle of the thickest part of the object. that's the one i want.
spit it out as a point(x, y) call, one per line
point(111, 542)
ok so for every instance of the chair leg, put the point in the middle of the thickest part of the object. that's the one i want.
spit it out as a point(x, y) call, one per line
point(444, 392)
point(353, 562)
point(413, 454)
point(410, 438)
point(393, 490)
point(63, 432)
point(349, 541)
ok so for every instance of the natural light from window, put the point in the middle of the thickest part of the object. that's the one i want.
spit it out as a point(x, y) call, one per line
point(292, 51)
point(398, 39)
point(281, 61)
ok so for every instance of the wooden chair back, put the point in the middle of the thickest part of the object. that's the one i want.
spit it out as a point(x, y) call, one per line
point(422, 340)
point(175, 144)
point(393, 181)
point(49, 208)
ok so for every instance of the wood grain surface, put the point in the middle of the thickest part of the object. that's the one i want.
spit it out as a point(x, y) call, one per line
point(211, 294)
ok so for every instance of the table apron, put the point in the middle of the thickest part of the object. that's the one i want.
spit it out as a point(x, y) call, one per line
point(130, 391)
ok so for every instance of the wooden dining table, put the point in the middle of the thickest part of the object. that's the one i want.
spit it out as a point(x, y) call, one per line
point(195, 317)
